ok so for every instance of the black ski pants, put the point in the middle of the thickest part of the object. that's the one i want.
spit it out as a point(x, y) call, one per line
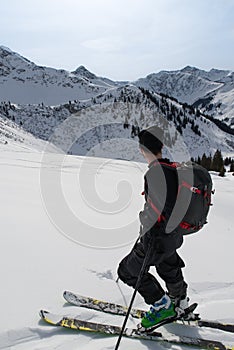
point(168, 266)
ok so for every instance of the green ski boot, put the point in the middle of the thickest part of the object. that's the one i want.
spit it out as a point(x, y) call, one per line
point(161, 312)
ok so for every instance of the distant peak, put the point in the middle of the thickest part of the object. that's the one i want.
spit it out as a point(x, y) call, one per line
point(84, 72)
point(215, 70)
point(81, 69)
point(190, 69)
point(5, 51)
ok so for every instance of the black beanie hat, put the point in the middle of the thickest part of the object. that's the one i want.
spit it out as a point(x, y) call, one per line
point(151, 139)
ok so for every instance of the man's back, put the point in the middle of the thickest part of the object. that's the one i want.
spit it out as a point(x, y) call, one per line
point(161, 186)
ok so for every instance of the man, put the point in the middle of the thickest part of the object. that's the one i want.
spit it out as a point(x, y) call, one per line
point(161, 187)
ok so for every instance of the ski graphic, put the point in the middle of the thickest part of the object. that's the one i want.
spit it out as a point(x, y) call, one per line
point(106, 329)
point(116, 309)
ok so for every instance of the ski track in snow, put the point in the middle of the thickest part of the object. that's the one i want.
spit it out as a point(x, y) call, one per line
point(26, 246)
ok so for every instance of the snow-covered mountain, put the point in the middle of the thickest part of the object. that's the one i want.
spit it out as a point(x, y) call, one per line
point(85, 127)
point(14, 136)
point(22, 81)
point(67, 220)
point(39, 99)
point(211, 91)
point(186, 85)
point(220, 103)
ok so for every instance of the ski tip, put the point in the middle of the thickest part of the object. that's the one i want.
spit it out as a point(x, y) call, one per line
point(43, 313)
point(50, 318)
point(66, 293)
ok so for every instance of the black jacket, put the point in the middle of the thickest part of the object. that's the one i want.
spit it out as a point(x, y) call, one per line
point(161, 186)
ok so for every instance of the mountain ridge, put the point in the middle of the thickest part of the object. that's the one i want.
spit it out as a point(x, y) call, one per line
point(116, 115)
point(187, 85)
point(47, 96)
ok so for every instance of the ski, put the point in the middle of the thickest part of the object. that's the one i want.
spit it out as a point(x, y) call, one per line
point(116, 309)
point(106, 329)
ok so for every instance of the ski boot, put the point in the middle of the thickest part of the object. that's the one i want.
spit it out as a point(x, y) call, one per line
point(161, 312)
point(185, 312)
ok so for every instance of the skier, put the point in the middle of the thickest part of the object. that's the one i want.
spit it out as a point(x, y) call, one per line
point(160, 189)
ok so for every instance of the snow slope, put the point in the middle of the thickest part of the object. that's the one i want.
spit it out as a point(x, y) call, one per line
point(186, 85)
point(220, 103)
point(212, 91)
point(105, 119)
point(40, 257)
point(22, 81)
point(13, 136)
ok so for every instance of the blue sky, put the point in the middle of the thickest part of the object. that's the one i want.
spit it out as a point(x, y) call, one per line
point(124, 39)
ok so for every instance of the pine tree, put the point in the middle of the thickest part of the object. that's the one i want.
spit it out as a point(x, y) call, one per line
point(209, 162)
point(206, 161)
point(232, 166)
point(217, 162)
point(198, 113)
point(222, 171)
point(227, 161)
point(179, 129)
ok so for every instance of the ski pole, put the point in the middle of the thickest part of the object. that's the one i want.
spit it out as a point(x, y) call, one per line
point(134, 293)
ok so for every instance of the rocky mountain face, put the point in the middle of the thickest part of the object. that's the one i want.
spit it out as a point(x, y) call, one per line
point(192, 105)
point(186, 85)
point(212, 92)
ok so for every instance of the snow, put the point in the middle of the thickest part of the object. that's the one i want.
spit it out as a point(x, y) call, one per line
point(79, 126)
point(193, 85)
point(186, 85)
point(24, 82)
point(39, 258)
